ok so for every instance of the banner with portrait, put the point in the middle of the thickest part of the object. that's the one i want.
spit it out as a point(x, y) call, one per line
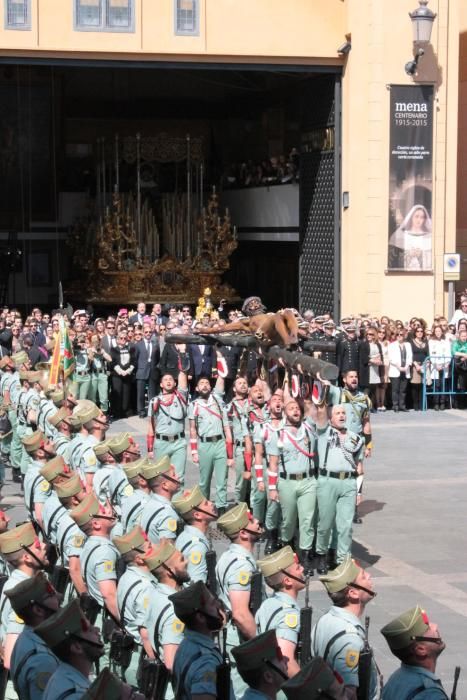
point(410, 243)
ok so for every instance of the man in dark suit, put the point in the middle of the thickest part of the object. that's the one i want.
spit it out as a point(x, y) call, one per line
point(147, 356)
point(138, 317)
point(203, 361)
point(232, 358)
point(109, 340)
point(158, 316)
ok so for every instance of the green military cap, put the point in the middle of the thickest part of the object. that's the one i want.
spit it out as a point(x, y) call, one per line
point(190, 599)
point(400, 633)
point(67, 622)
point(42, 366)
point(159, 554)
point(341, 577)
point(6, 361)
point(70, 487)
point(120, 443)
point(87, 413)
point(82, 405)
point(102, 448)
point(311, 681)
point(86, 510)
point(20, 358)
point(105, 687)
point(24, 375)
point(55, 395)
point(152, 469)
point(55, 467)
point(185, 502)
point(74, 422)
point(276, 562)
point(234, 520)
point(35, 377)
point(72, 389)
point(252, 654)
point(133, 469)
point(132, 540)
point(34, 589)
point(57, 418)
point(33, 442)
point(15, 539)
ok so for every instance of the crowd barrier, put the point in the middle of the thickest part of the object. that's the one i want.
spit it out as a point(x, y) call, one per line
point(446, 383)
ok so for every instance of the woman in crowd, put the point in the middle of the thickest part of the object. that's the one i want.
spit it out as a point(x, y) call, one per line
point(459, 352)
point(419, 346)
point(371, 361)
point(123, 366)
point(400, 363)
point(440, 361)
point(381, 389)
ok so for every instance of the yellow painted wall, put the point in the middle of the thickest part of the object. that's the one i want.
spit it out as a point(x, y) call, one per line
point(462, 151)
point(381, 45)
point(242, 28)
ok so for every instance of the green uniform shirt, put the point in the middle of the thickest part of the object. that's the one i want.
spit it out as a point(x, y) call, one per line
point(237, 412)
point(135, 589)
point(295, 449)
point(98, 563)
point(194, 545)
point(234, 571)
point(70, 539)
point(161, 619)
point(169, 411)
point(159, 519)
point(336, 455)
point(280, 612)
point(357, 406)
point(210, 415)
point(86, 459)
point(10, 623)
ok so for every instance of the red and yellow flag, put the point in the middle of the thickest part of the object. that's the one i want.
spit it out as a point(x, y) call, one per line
point(63, 360)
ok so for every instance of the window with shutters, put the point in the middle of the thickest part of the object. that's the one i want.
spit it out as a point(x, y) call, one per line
point(17, 14)
point(187, 17)
point(104, 15)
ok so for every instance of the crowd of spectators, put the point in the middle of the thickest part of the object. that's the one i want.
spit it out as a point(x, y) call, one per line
point(120, 357)
point(273, 170)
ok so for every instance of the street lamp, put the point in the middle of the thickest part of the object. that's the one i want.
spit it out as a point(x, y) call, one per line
point(422, 24)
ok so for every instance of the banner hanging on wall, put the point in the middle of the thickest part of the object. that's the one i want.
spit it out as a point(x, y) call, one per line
point(410, 245)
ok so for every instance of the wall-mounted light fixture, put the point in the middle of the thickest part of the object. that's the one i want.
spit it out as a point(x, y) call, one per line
point(422, 25)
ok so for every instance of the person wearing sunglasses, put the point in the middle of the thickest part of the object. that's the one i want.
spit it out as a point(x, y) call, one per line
point(417, 643)
point(400, 363)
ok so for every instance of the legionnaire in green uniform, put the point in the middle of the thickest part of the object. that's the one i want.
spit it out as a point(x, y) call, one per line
point(82, 373)
point(125, 450)
point(292, 480)
point(25, 555)
point(32, 661)
point(78, 437)
point(234, 572)
point(417, 643)
point(316, 680)
point(99, 388)
point(94, 426)
point(198, 659)
point(133, 505)
point(77, 644)
point(211, 439)
point(159, 519)
point(339, 636)
point(262, 666)
point(197, 513)
point(340, 456)
point(237, 412)
point(11, 397)
point(258, 415)
point(357, 408)
point(284, 574)
point(165, 629)
point(36, 488)
point(166, 429)
point(62, 432)
point(99, 556)
point(46, 409)
point(265, 437)
point(134, 591)
point(106, 464)
point(7, 368)
point(28, 402)
point(54, 472)
point(69, 538)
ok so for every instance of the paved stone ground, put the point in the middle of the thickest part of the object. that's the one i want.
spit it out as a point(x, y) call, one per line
point(412, 538)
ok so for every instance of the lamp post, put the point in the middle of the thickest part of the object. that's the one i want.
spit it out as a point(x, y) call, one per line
point(422, 24)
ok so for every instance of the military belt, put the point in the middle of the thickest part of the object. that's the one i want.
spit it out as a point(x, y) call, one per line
point(82, 373)
point(169, 438)
point(295, 477)
point(239, 443)
point(338, 475)
point(214, 438)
